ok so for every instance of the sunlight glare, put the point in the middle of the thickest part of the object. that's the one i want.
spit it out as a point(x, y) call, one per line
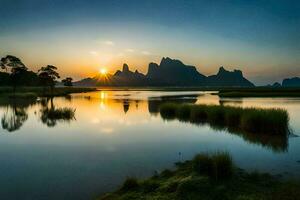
point(103, 71)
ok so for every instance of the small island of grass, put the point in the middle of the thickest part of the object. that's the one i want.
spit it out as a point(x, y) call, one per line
point(249, 120)
point(207, 177)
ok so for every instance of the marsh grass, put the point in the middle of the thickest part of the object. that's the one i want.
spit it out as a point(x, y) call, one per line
point(253, 120)
point(218, 166)
point(209, 176)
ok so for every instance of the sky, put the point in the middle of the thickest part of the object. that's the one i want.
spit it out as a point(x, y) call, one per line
point(80, 37)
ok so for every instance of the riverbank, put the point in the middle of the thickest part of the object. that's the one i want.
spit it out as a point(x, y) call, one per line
point(31, 92)
point(207, 177)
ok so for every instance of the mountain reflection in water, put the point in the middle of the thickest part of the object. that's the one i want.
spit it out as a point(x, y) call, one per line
point(15, 114)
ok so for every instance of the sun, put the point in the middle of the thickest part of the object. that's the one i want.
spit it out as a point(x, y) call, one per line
point(103, 71)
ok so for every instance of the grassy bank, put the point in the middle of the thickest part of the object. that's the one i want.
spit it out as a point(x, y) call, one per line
point(207, 177)
point(252, 120)
point(23, 92)
point(260, 92)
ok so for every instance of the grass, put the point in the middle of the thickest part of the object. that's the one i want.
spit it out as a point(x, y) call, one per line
point(24, 92)
point(207, 177)
point(250, 120)
point(260, 92)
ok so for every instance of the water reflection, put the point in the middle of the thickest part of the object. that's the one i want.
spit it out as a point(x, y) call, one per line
point(50, 115)
point(155, 102)
point(15, 113)
point(120, 133)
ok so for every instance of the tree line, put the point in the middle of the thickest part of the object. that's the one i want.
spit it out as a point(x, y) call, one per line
point(15, 73)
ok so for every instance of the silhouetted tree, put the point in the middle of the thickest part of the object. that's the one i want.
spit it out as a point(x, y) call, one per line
point(67, 81)
point(48, 76)
point(16, 66)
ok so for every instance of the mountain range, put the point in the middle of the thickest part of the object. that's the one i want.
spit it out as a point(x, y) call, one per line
point(169, 72)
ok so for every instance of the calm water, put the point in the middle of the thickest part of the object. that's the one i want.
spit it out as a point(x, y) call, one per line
point(120, 133)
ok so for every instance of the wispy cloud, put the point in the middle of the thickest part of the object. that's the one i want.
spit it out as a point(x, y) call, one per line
point(94, 53)
point(145, 52)
point(108, 43)
point(129, 50)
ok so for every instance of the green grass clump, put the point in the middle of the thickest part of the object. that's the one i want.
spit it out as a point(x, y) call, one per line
point(253, 120)
point(218, 166)
point(273, 121)
point(168, 111)
point(192, 180)
point(184, 113)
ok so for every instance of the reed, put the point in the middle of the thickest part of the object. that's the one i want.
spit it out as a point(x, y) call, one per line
point(251, 120)
point(208, 176)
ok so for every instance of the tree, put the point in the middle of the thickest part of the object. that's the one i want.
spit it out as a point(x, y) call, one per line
point(13, 62)
point(48, 76)
point(17, 68)
point(67, 81)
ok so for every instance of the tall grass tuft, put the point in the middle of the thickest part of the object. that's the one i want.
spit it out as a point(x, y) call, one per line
point(169, 111)
point(218, 166)
point(250, 120)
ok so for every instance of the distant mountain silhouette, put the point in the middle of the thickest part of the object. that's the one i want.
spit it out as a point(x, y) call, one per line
point(227, 78)
point(169, 72)
point(291, 82)
point(174, 72)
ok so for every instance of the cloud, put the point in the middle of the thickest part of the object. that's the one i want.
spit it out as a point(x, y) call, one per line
point(129, 50)
point(109, 43)
point(94, 53)
point(146, 52)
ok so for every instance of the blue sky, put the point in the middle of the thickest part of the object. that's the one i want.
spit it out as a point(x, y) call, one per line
point(260, 37)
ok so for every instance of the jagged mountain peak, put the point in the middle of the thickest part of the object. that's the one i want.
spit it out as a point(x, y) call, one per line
point(172, 72)
point(125, 68)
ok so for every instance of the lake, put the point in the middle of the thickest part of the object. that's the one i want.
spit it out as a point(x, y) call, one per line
point(116, 134)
